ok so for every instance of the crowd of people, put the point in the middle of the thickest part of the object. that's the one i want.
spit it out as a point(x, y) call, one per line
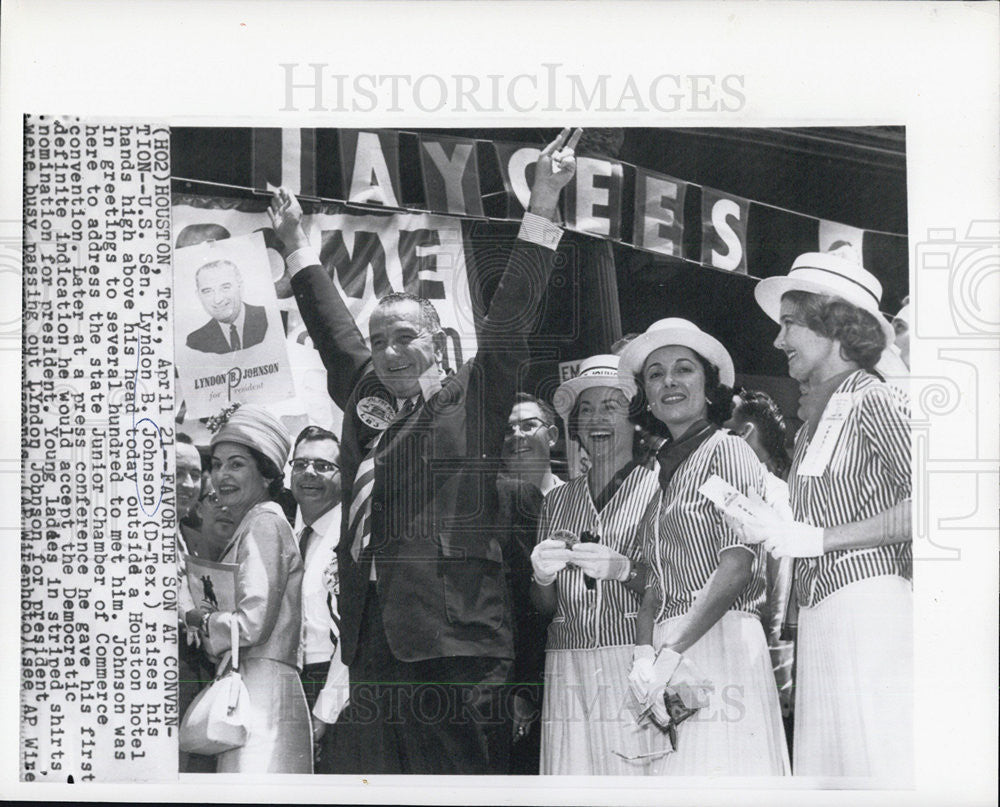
point(448, 604)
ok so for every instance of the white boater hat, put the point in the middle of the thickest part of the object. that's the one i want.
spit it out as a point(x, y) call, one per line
point(676, 331)
point(595, 371)
point(828, 273)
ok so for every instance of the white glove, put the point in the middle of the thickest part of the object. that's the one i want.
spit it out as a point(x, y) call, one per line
point(548, 558)
point(749, 529)
point(600, 562)
point(641, 675)
point(688, 682)
point(795, 540)
point(781, 537)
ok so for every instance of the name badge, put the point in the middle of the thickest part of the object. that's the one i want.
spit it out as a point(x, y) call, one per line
point(827, 433)
point(375, 412)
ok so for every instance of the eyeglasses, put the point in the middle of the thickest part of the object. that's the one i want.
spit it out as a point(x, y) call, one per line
point(319, 466)
point(523, 426)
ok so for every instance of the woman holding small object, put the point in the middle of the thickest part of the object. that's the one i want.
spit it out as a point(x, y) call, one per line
point(586, 574)
point(701, 608)
point(850, 487)
point(248, 451)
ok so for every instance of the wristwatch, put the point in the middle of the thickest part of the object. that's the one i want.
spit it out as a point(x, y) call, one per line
point(633, 572)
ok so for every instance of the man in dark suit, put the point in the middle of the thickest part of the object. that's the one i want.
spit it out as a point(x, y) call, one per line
point(425, 620)
point(234, 324)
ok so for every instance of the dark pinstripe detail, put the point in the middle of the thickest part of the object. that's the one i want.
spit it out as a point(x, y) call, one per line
point(684, 551)
point(604, 616)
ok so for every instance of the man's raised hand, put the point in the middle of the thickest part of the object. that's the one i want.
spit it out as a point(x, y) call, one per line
point(555, 167)
point(286, 220)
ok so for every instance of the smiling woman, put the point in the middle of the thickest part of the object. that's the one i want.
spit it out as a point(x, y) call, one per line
point(851, 535)
point(586, 573)
point(247, 452)
point(706, 589)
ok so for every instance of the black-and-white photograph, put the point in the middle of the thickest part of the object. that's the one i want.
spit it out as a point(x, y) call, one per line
point(591, 410)
point(496, 612)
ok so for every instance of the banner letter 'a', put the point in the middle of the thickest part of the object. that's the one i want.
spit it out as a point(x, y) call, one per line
point(370, 167)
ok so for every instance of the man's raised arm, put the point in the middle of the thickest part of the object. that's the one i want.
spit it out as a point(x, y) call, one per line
point(331, 326)
point(514, 308)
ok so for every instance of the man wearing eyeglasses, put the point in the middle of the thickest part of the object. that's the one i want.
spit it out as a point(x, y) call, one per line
point(317, 490)
point(528, 439)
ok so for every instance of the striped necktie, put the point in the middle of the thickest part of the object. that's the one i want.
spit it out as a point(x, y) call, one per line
point(359, 522)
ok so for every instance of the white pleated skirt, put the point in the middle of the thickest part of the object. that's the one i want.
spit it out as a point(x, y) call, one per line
point(740, 732)
point(854, 692)
point(585, 722)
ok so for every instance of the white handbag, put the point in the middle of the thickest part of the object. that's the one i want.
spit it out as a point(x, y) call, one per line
point(218, 718)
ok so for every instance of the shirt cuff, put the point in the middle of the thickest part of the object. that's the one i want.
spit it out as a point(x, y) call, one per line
point(335, 693)
point(300, 259)
point(539, 230)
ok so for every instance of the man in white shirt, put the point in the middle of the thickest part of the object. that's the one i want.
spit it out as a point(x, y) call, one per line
point(317, 489)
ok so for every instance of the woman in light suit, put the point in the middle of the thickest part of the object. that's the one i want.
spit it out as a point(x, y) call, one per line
point(248, 451)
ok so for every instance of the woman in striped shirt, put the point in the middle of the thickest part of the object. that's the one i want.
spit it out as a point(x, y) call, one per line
point(850, 488)
point(707, 588)
point(592, 589)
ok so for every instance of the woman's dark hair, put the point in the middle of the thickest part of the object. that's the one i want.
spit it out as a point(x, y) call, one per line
point(758, 408)
point(718, 396)
point(859, 333)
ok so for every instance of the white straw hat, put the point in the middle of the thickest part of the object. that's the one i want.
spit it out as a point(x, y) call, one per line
point(676, 331)
point(595, 371)
point(830, 274)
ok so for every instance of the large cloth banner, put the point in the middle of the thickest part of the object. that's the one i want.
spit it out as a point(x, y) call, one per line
point(367, 256)
point(602, 200)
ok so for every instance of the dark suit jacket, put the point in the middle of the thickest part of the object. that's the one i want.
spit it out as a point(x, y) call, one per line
point(435, 538)
point(209, 337)
point(520, 507)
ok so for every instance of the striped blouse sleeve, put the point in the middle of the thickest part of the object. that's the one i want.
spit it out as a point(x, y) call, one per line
point(735, 462)
point(885, 422)
point(634, 547)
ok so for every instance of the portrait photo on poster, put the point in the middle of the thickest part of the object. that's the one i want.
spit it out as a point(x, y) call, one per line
point(228, 341)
